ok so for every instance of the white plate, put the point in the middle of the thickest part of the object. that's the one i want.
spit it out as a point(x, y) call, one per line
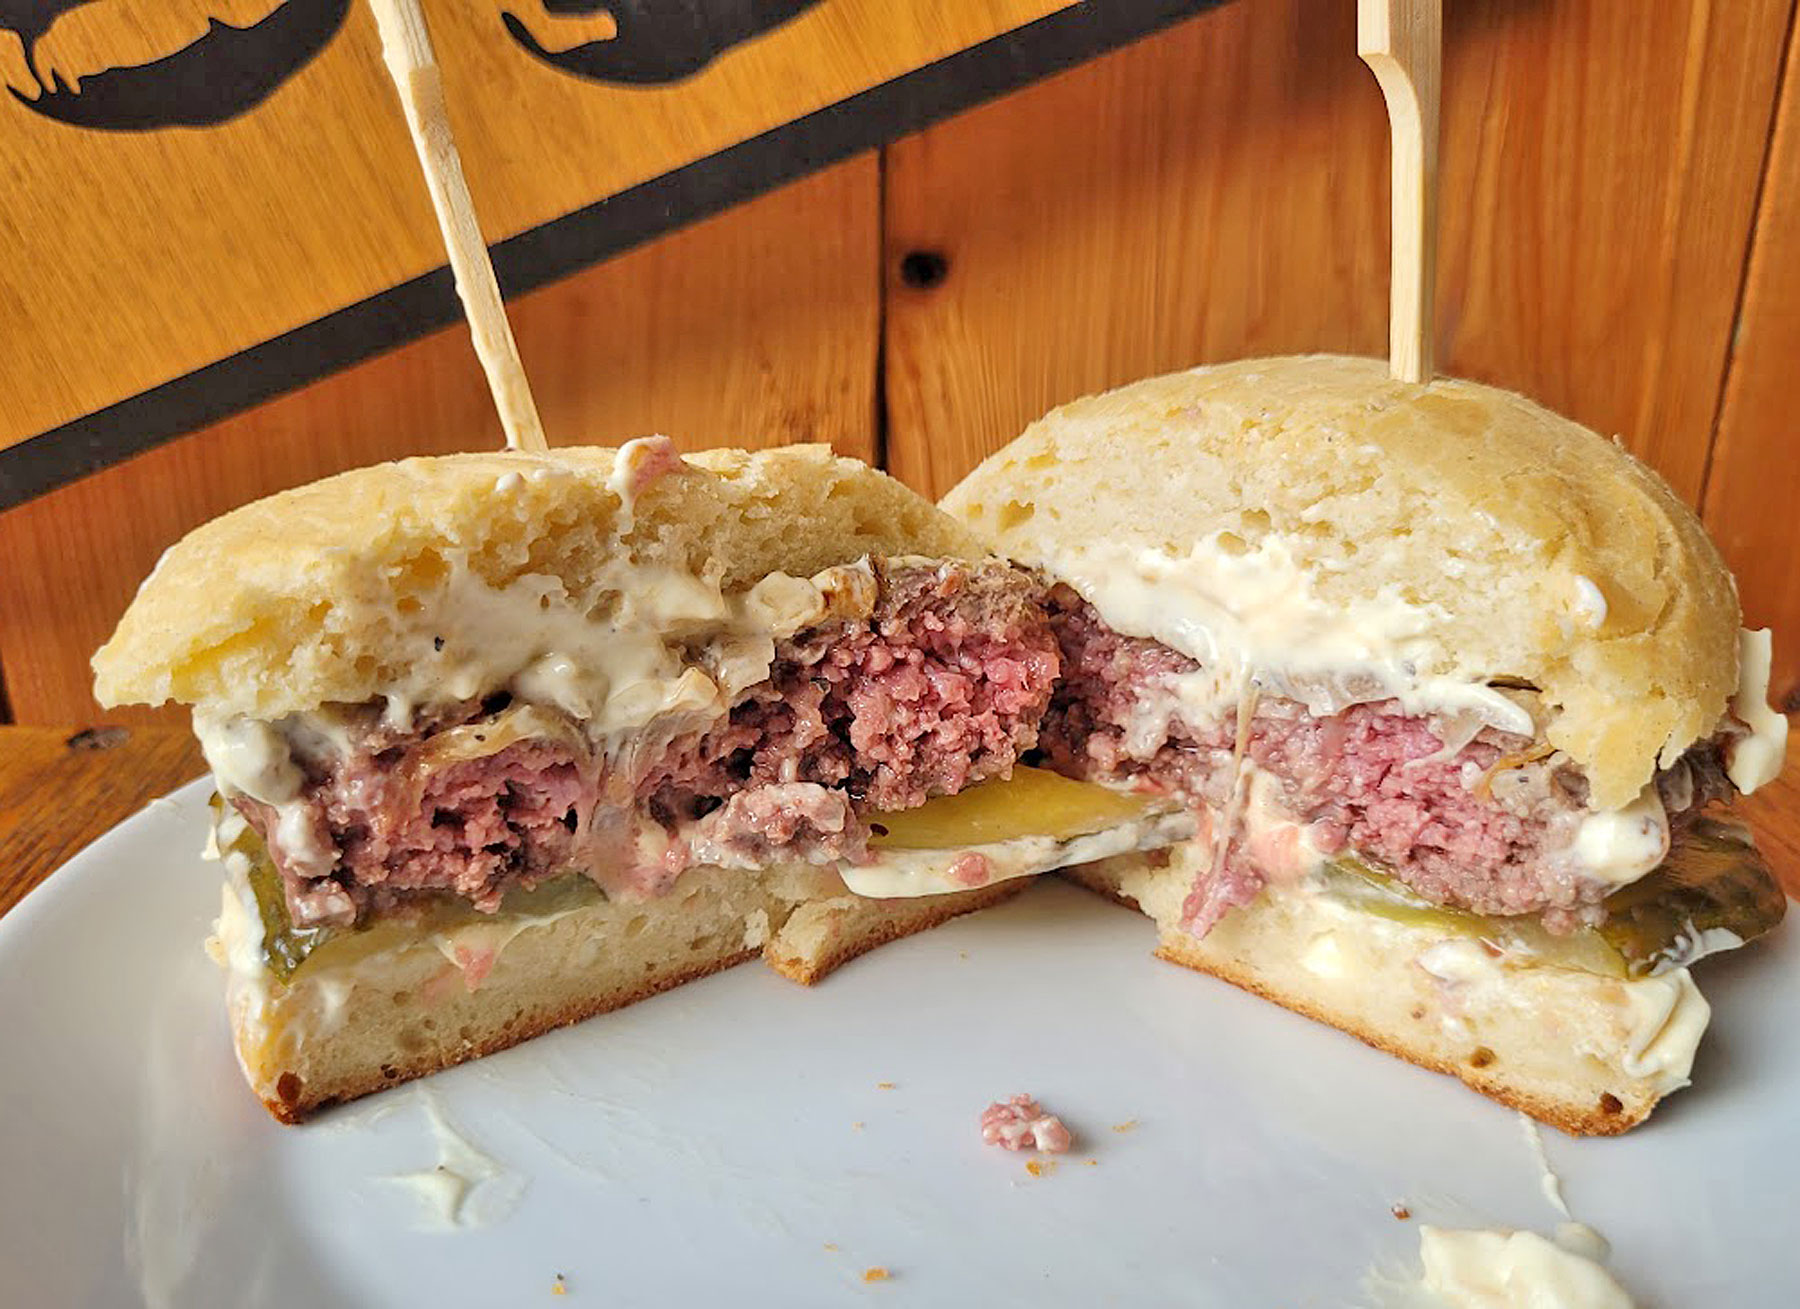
point(733, 1141)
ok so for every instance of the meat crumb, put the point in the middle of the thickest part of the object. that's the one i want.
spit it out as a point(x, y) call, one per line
point(1401, 1212)
point(1021, 1124)
point(876, 1274)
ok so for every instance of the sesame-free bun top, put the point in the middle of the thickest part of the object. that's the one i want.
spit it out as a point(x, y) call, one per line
point(1513, 543)
point(319, 594)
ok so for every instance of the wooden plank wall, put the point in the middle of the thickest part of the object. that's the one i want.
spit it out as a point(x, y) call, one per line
point(1753, 494)
point(756, 327)
point(1215, 191)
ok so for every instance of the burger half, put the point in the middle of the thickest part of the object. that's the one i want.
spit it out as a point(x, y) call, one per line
point(1452, 686)
point(502, 741)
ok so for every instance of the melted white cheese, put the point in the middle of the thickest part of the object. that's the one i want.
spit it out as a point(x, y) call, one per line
point(1472, 1269)
point(1248, 612)
point(1755, 760)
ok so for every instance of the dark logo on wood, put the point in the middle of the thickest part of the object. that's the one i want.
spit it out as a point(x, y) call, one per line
point(653, 41)
point(226, 71)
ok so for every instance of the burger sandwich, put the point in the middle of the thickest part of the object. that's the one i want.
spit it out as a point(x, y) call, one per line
point(1453, 688)
point(501, 741)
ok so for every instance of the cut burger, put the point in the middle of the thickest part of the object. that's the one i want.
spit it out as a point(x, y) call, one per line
point(503, 741)
point(1452, 687)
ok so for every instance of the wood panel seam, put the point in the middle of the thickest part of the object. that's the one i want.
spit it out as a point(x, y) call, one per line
point(882, 257)
point(1783, 84)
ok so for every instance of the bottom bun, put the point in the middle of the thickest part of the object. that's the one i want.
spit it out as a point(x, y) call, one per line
point(428, 1001)
point(1583, 1052)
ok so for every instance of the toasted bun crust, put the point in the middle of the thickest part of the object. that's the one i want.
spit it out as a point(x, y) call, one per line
point(406, 1012)
point(308, 597)
point(1549, 1042)
point(1472, 504)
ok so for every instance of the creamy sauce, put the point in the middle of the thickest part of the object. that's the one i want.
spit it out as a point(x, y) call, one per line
point(629, 473)
point(1460, 962)
point(1664, 1016)
point(1755, 760)
point(1324, 957)
point(898, 874)
point(1619, 846)
point(1668, 1016)
point(1579, 1238)
point(615, 676)
point(475, 948)
point(1548, 1182)
point(446, 1190)
point(1472, 1269)
point(1690, 946)
point(1282, 846)
point(1590, 602)
point(1248, 611)
point(236, 945)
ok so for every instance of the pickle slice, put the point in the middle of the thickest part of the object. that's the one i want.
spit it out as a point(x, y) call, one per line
point(1714, 878)
point(1032, 802)
point(286, 948)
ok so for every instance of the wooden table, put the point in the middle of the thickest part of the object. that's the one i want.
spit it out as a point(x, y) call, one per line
point(58, 791)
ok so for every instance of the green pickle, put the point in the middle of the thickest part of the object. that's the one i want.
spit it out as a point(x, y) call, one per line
point(1713, 878)
point(287, 948)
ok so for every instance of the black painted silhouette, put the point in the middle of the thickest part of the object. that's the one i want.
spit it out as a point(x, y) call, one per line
point(658, 40)
point(30, 19)
point(227, 72)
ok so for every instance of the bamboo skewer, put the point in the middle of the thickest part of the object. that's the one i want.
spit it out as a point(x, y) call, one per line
point(1402, 43)
point(406, 49)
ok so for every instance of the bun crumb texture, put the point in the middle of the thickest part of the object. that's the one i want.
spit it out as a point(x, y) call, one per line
point(311, 596)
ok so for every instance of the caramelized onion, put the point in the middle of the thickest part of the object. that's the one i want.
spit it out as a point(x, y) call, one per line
point(478, 740)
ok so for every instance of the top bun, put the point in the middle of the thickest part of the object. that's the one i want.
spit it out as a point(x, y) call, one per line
point(1523, 545)
point(317, 595)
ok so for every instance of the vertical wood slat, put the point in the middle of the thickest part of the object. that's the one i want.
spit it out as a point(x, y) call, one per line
point(1752, 505)
point(1220, 190)
point(757, 327)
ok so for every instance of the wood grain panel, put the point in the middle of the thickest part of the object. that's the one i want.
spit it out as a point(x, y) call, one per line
point(131, 257)
point(1220, 190)
point(1753, 492)
point(60, 789)
point(758, 327)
